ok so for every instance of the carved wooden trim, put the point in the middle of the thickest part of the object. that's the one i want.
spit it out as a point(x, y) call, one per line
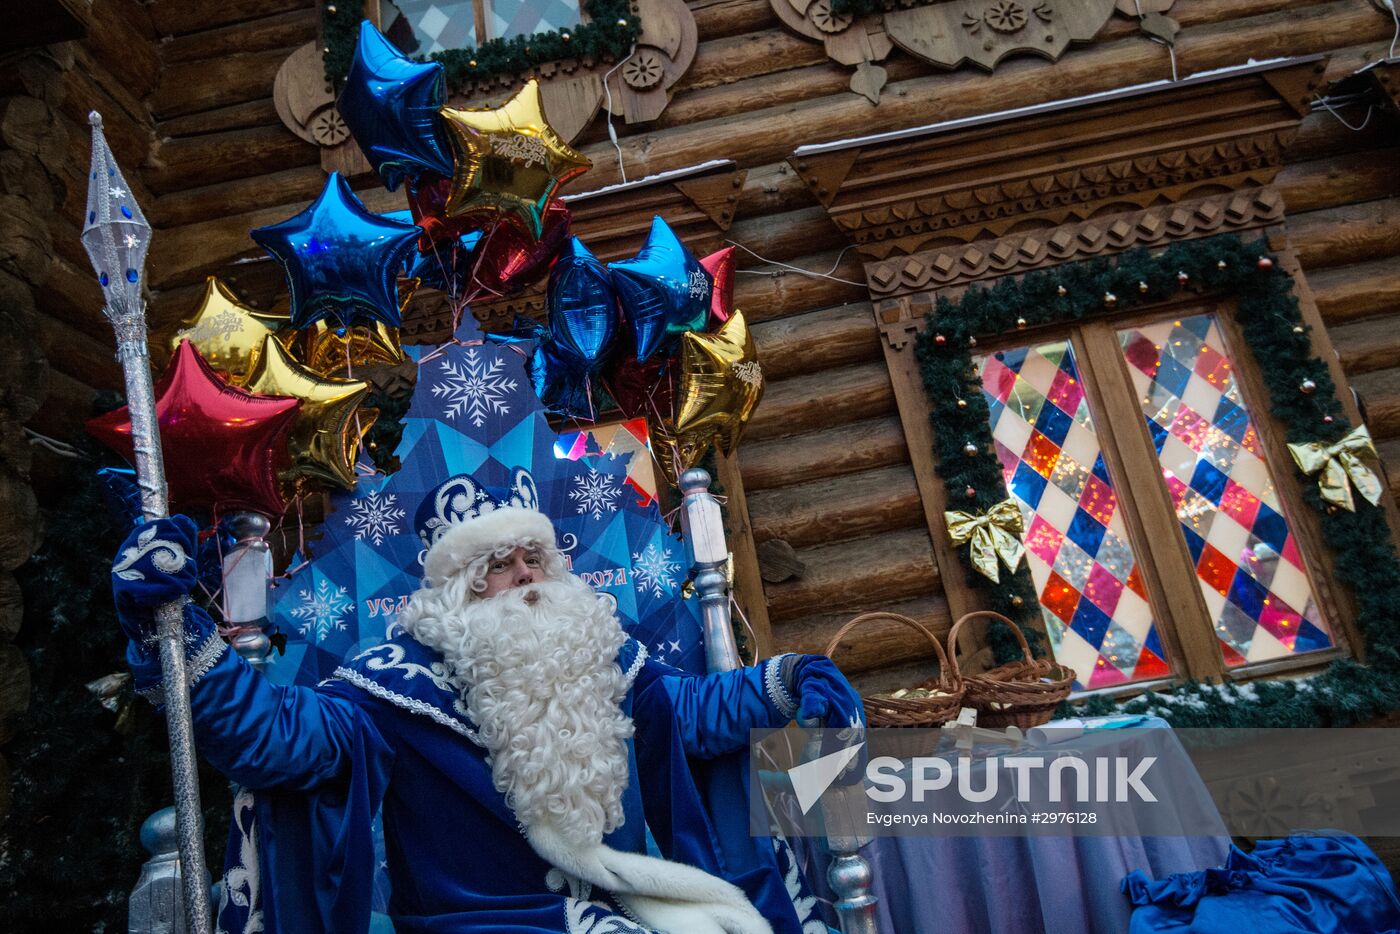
point(948, 33)
point(984, 178)
point(614, 221)
point(959, 264)
point(572, 88)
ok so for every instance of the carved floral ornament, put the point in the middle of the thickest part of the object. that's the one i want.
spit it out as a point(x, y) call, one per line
point(572, 88)
point(949, 32)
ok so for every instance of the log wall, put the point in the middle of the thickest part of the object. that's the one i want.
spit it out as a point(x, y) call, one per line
point(824, 466)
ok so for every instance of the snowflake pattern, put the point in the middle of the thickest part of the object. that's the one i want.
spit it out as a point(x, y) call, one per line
point(475, 388)
point(595, 493)
point(374, 516)
point(322, 610)
point(652, 569)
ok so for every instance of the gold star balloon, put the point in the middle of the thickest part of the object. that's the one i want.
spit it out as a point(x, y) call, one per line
point(331, 350)
point(721, 383)
point(675, 455)
point(228, 334)
point(508, 160)
point(326, 437)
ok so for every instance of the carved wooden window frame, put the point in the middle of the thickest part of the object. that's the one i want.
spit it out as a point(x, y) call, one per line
point(1180, 614)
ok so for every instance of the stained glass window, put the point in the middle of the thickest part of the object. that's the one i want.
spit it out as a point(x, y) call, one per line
point(1247, 559)
point(424, 27)
point(1091, 593)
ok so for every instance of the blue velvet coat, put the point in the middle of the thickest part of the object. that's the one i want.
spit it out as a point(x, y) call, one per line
point(388, 734)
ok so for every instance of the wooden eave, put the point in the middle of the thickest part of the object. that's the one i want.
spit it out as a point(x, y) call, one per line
point(980, 178)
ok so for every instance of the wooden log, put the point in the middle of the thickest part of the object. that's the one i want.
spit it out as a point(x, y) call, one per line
point(1347, 293)
point(875, 645)
point(1349, 234)
point(279, 31)
point(30, 126)
point(25, 244)
point(1380, 398)
point(246, 116)
point(822, 400)
point(287, 188)
point(769, 189)
point(863, 573)
point(73, 296)
point(1389, 452)
point(750, 55)
point(785, 111)
point(21, 530)
point(67, 404)
point(785, 236)
point(200, 161)
point(768, 293)
point(126, 122)
point(22, 175)
point(80, 351)
point(178, 17)
point(838, 509)
point(41, 73)
point(1367, 345)
point(1342, 179)
point(1321, 135)
point(817, 340)
point(228, 79)
point(121, 38)
point(863, 445)
point(716, 19)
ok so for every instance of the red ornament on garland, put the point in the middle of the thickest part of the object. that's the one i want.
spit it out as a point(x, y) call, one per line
point(940, 340)
point(1265, 263)
point(223, 447)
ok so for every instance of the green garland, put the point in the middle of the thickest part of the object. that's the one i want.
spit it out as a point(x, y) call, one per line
point(608, 36)
point(1272, 328)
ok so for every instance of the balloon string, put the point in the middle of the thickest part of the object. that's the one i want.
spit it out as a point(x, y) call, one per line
point(753, 637)
point(796, 269)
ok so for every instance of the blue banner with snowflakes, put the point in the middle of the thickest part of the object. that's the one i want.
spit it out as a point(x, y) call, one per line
point(473, 425)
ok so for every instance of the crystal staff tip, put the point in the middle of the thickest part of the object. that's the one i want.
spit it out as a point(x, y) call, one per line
point(95, 118)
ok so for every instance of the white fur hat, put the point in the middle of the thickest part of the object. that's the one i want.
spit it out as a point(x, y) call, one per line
point(503, 527)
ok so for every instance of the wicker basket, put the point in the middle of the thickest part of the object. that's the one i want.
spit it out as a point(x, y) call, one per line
point(1025, 693)
point(916, 712)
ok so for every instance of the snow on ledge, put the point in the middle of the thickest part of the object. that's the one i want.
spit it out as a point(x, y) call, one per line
point(1049, 106)
point(649, 180)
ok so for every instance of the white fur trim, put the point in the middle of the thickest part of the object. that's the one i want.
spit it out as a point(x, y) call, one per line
point(666, 896)
point(505, 526)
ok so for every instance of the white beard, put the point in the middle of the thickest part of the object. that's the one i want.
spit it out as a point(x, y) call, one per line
point(540, 681)
point(541, 684)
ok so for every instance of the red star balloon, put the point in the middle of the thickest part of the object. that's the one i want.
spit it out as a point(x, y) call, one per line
point(223, 447)
point(720, 266)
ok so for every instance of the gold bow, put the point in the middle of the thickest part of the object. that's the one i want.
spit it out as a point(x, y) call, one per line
point(1337, 463)
point(994, 534)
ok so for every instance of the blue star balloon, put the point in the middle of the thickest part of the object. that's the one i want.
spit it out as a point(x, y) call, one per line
point(582, 307)
point(664, 290)
point(340, 259)
point(559, 382)
point(390, 103)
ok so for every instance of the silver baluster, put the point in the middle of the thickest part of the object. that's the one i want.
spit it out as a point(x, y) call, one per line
point(155, 906)
point(703, 524)
point(246, 570)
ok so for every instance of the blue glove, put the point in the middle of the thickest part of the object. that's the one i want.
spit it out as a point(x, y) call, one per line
point(156, 564)
point(823, 693)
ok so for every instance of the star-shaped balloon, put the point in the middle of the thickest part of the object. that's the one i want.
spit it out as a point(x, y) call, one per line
point(331, 350)
point(228, 334)
point(582, 306)
point(223, 446)
point(340, 259)
point(720, 266)
point(327, 434)
point(509, 161)
point(664, 290)
point(721, 383)
point(391, 103)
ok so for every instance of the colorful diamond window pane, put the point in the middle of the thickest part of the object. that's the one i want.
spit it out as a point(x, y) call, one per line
point(1096, 611)
point(1247, 561)
point(426, 27)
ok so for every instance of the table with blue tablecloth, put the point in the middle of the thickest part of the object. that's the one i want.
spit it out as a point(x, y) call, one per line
point(1034, 884)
